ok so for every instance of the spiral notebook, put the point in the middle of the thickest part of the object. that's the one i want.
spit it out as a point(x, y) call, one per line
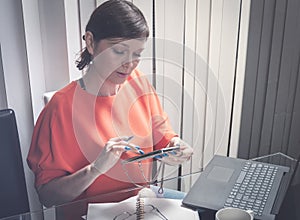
point(169, 208)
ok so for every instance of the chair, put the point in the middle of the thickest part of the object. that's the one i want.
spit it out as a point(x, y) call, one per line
point(47, 96)
point(13, 191)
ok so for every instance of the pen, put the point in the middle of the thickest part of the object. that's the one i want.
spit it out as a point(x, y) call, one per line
point(129, 138)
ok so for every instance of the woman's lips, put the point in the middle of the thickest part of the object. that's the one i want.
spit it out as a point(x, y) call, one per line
point(122, 75)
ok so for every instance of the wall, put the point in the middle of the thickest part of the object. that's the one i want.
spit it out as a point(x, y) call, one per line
point(3, 100)
point(46, 44)
point(14, 80)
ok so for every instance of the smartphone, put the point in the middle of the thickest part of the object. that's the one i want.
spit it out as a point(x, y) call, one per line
point(150, 154)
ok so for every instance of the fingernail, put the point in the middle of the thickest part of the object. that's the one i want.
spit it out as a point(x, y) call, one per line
point(158, 157)
point(127, 148)
point(141, 151)
point(137, 147)
point(165, 155)
point(173, 152)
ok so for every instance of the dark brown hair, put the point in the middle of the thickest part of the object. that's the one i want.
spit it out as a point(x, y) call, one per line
point(114, 19)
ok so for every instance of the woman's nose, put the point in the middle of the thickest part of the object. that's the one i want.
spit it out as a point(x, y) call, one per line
point(128, 63)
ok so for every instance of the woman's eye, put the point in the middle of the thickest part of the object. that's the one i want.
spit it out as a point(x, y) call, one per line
point(137, 55)
point(118, 51)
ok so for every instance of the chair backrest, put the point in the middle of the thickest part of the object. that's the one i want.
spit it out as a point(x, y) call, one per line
point(13, 191)
point(47, 96)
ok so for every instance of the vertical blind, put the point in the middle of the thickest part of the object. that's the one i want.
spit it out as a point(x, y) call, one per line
point(270, 119)
point(195, 52)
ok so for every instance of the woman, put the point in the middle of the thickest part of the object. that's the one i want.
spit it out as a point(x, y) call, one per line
point(82, 135)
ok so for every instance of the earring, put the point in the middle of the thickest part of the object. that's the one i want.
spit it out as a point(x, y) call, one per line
point(91, 59)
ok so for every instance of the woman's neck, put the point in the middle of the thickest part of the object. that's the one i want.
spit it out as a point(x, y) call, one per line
point(95, 85)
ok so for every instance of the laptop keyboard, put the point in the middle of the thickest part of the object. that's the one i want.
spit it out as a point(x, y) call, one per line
point(252, 187)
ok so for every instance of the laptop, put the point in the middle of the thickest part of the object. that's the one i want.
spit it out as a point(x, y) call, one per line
point(245, 184)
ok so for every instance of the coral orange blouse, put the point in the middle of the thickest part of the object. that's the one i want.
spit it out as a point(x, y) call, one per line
point(74, 126)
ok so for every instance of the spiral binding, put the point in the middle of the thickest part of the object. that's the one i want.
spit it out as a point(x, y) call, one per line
point(140, 209)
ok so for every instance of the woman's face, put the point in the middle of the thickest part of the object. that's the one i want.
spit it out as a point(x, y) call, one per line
point(116, 58)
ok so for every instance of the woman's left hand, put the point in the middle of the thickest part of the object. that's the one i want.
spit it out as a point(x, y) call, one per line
point(179, 156)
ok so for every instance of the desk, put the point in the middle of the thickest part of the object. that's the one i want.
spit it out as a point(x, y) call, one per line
point(77, 209)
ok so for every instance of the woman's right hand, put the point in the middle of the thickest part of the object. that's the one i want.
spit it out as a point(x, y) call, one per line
point(66, 188)
point(111, 153)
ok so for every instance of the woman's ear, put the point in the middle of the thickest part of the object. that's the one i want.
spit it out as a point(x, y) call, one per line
point(89, 41)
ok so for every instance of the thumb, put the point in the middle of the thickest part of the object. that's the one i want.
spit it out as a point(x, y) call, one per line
point(175, 141)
